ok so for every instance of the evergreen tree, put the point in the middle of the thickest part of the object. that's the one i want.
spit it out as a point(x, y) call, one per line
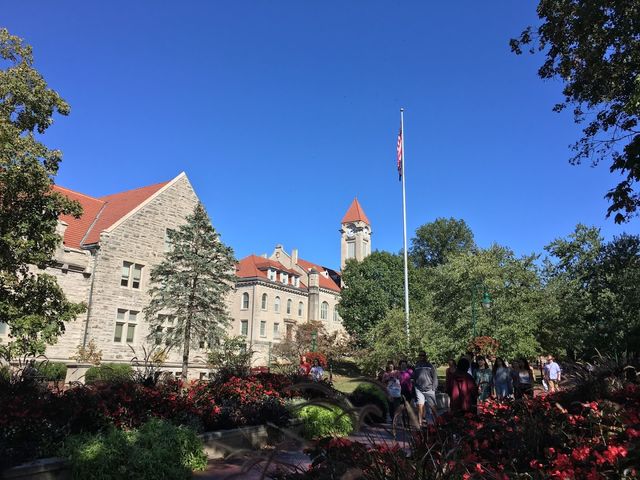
point(31, 302)
point(191, 285)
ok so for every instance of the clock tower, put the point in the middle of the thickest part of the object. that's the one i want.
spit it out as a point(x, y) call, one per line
point(355, 234)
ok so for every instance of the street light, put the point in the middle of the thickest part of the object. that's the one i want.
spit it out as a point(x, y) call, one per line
point(486, 303)
point(314, 340)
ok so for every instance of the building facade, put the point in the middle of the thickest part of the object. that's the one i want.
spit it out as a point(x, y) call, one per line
point(107, 255)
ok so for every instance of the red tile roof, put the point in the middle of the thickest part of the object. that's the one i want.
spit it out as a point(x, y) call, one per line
point(100, 213)
point(327, 283)
point(355, 213)
point(254, 266)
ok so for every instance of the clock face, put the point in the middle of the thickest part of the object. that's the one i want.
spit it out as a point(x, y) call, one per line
point(350, 231)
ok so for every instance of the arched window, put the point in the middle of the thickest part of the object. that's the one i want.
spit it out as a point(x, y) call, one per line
point(300, 309)
point(335, 314)
point(264, 301)
point(289, 304)
point(276, 305)
point(324, 311)
point(245, 301)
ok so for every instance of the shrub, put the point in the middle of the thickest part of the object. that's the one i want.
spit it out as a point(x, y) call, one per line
point(371, 395)
point(108, 372)
point(322, 359)
point(51, 371)
point(156, 450)
point(322, 421)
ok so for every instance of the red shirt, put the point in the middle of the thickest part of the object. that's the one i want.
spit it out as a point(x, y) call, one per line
point(464, 393)
point(305, 368)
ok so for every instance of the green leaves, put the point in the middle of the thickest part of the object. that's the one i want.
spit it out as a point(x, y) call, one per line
point(593, 47)
point(32, 304)
point(191, 285)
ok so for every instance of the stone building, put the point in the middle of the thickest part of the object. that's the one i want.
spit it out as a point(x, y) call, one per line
point(107, 254)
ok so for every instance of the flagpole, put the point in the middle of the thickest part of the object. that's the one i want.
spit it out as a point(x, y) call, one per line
point(404, 232)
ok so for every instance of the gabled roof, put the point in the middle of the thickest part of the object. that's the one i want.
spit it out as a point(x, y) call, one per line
point(254, 266)
point(328, 283)
point(100, 214)
point(355, 213)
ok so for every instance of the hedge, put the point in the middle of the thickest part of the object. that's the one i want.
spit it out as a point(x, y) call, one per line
point(108, 372)
point(51, 371)
point(323, 421)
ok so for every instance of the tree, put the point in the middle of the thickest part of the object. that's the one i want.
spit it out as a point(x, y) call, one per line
point(231, 357)
point(437, 240)
point(594, 287)
point(593, 47)
point(31, 302)
point(517, 303)
point(191, 284)
point(373, 287)
point(334, 345)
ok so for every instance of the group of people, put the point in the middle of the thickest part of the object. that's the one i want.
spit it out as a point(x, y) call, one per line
point(313, 370)
point(470, 380)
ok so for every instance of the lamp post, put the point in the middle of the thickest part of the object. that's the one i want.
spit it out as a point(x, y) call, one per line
point(486, 303)
point(314, 340)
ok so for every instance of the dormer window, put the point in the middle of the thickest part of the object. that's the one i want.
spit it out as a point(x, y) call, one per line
point(271, 275)
point(296, 281)
point(284, 277)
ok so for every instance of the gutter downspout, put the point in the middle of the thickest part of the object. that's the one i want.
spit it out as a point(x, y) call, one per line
point(93, 281)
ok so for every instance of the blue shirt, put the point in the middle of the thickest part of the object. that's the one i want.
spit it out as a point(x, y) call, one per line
point(553, 370)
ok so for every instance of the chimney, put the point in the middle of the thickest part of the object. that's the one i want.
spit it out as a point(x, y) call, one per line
point(61, 227)
point(314, 295)
point(294, 256)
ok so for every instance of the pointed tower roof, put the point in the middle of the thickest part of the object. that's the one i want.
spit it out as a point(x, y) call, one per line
point(355, 213)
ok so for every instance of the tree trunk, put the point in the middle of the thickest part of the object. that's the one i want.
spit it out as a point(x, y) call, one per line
point(185, 350)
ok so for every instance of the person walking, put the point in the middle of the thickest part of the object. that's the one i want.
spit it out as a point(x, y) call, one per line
point(483, 378)
point(526, 377)
point(406, 382)
point(501, 379)
point(425, 380)
point(464, 392)
point(451, 370)
point(391, 380)
point(552, 372)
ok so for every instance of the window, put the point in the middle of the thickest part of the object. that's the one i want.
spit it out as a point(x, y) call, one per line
point(324, 311)
point(271, 275)
point(276, 330)
point(351, 249)
point(289, 331)
point(289, 305)
point(263, 328)
point(245, 301)
point(168, 244)
point(244, 327)
point(336, 317)
point(166, 322)
point(264, 301)
point(126, 321)
point(276, 305)
point(131, 274)
point(158, 335)
point(284, 277)
point(365, 248)
point(3, 328)
point(300, 308)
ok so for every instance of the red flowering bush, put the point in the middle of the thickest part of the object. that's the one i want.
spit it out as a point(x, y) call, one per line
point(484, 345)
point(547, 437)
point(322, 359)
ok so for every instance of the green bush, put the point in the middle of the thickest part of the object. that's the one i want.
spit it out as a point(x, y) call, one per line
point(367, 395)
point(108, 372)
point(156, 450)
point(324, 421)
point(51, 371)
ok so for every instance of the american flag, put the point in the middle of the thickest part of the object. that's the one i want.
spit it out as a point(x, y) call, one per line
point(399, 150)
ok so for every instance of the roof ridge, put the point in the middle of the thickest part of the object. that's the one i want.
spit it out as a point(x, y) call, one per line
point(104, 197)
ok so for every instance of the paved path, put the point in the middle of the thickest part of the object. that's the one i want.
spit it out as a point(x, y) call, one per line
point(252, 465)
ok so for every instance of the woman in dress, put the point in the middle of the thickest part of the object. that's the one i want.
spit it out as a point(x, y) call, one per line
point(483, 378)
point(501, 379)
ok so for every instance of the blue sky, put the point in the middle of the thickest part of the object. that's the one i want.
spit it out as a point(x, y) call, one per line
point(281, 112)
